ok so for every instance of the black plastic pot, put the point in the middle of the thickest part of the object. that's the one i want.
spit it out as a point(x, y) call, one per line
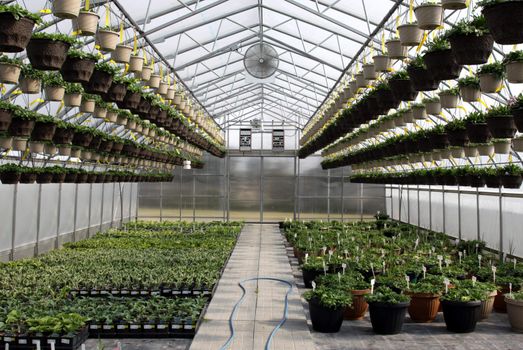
point(403, 89)
point(518, 118)
point(309, 276)
point(63, 136)
point(458, 137)
point(477, 181)
point(130, 101)
point(478, 132)
point(27, 178)
point(82, 139)
point(505, 20)
point(442, 65)
point(46, 54)
point(14, 34)
point(43, 131)
point(5, 119)
point(471, 49)
point(422, 79)
point(70, 178)
point(461, 317)
point(44, 178)
point(387, 318)
point(116, 93)
point(511, 181)
point(325, 320)
point(502, 126)
point(493, 181)
point(58, 178)
point(9, 178)
point(76, 70)
point(21, 127)
point(99, 83)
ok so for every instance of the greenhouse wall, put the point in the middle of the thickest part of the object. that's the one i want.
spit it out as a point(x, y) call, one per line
point(38, 218)
point(463, 213)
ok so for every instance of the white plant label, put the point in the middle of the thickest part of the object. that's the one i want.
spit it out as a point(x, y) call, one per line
point(330, 254)
point(424, 269)
point(440, 258)
point(474, 280)
point(479, 260)
point(324, 250)
point(477, 248)
point(343, 267)
point(306, 257)
point(38, 347)
point(382, 253)
point(339, 277)
point(447, 282)
point(295, 235)
point(324, 268)
point(384, 267)
point(7, 346)
point(494, 269)
point(52, 346)
point(372, 269)
point(313, 284)
point(515, 262)
point(510, 289)
point(346, 252)
point(407, 278)
point(416, 243)
point(372, 283)
point(447, 262)
point(460, 254)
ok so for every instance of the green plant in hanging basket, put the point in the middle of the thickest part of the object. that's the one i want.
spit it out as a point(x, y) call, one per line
point(6, 59)
point(402, 74)
point(453, 91)
point(53, 79)
point(477, 26)
point(55, 37)
point(498, 111)
point(19, 12)
point(417, 62)
point(514, 56)
point(497, 69)
point(107, 67)
point(440, 43)
point(73, 88)
point(29, 72)
point(469, 82)
point(430, 99)
point(75, 53)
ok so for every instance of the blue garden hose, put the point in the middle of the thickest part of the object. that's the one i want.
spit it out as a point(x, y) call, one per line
point(237, 305)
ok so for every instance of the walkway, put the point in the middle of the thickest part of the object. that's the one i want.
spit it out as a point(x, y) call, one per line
point(260, 252)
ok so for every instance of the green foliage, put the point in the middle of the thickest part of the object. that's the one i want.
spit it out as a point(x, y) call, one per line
point(107, 67)
point(29, 72)
point(430, 99)
point(402, 74)
point(476, 26)
point(515, 296)
point(426, 287)
point(55, 37)
point(53, 79)
point(456, 125)
point(496, 68)
point(499, 111)
point(464, 291)
point(75, 53)
point(7, 59)
point(477, 117)
point(73, 88)
point(472, 82)
point(18, 12)
point(513, 56)
point(10, 168)
point(386, 295)
point(417, 62)
point(453, 91)
point(332, 298)
point(440, 43)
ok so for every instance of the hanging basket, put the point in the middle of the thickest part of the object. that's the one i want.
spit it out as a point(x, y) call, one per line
point(502, 146)
point(433, 108)
point(403, 89)
point(518, 144)
point(15, 34)
point(9, 73)
point(76, 70)
point(470, 93)
point(73, 100)
point(396, 50)
point(21, 127)
point(54, 93)
point(146, 74)
point(490, 83)
point(382, 63)
point(122, 54)
point(99, 83)
point(5, 120)
point(471, 151)
point(448, 100)
point(478, 132)
point(19, 144)
point(454, 4)
point(514, 72)
point(471, 49)
point(130, 101)
point(442, 65)
point(368, 71)
point(429, 16)
point(360, 81)
point(46, 54)
point(67, 9)
point(35, 147)
point(171, 91)
point(154, 81)
point(107, 39)
point(505, 20)
point(100, 112)
point(419, 112)
point(502, 126)
point(111, 116)
point(87, 106)
point(135, 64)
point(422, 79)
point(87, 23)
point(43, 131)
point(410, 34)
point(162, 89)
point(116, 93)
point(30, 85)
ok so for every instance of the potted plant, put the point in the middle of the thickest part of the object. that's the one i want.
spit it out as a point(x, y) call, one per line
point(457, 133)
point(424, 300)
point(22, 123)
point(382, 63)
point(402, 87)
point(132, 97)
point(87, 22)
point(73, 94)
point(17, 27)
point(500, 122)
point(100, 109)
point(6, 115)
point(136, 63)
point(122, 53)
point(511, 176)
point(432, 105)
point(147, 72)
point(67, 9)
point(516, 106)
point(471, 41)
point(44, 128)
point(64, 133)
point(58, 173)
point(418, 111)
point(410, 34)
point(101, 79)
point(79, 66)
point(326, 307)
point(395, 49)
point(420, 77)
point(27, 175)
point(9, 70)
point(10, 174)
point(469, 89)
point(107, 38)
point(491, 77)
point(312, 269)
point(515, 310)
point(429, 15)
point(440, 61)
point(504, 20)
point(48, 51)
point(88, 103)
point(31, 80)
point(118, 89)
point(387, 310)
point(514, 66)
point(477, 128)
point(449, 98)
point(54, 87)
point(462, 306)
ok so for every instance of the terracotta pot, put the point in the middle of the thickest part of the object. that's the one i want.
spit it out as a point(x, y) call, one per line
point(9, 73)
point(135, 64)
point(122, 54)
point(54, 93)
point(423, 307)
point(410, 34)
point(429, 16)
point(487, 306)
point(73, 100)
point(30, 85)
point(515, 314)
point(514, 72)
point(67, 9)
point(46, 54)
point(15, 33)
point(107, 39)
point(490, 83)
point(454, 4)
point(76, 70)
point(87, 106)
point(448, 100)
point(359, 305)
point(396, 50)
point(470, 93)
point(87, 23)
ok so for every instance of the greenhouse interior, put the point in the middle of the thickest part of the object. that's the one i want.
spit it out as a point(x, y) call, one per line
point(261, 174)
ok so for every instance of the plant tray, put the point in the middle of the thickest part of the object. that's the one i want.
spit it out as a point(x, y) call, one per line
point(173, 329)
point(29, 342)
point(141, 293)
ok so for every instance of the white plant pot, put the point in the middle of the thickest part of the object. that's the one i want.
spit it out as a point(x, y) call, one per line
point(171, 92)
point(353, 86)
point(427, 157)
point(6, 142)
point(399, 121)
point(502, 146)
point(100, 112)
point(95, 157)
point(9, 73)
point(429, 16)
point(111, 117)
point(408, 116)
point(131, 124)
point(490, 83)
point(446, 153)
point(73, 100)
point(76, 152)
point(486, 149)
point(152, 133)
point(146, 73)
point(457, 152)
point(162, 89)
point(368, 71)
point(87, 106)
point(433, 108)
point(19, 144)
point(138, 128)
point(86, 154)
point(87, 23)
point(470, 94)
point(121, 120)
point(154, 81)
point(182, 105)
point(50, 149)
point(448, 101)
point(30, 86)
point(135, 64)
point(107, 40)
point(67, 9)
point(122, 54)
point(54, 93)
point(361, 82)
point(382, 63)
point(36, 147)
point(518, 144)
point(64, 150)
point(419, 113)
point(454, 4)
point(388, 124)
point(514, 72)
point(396, 50)
point(410, 34)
